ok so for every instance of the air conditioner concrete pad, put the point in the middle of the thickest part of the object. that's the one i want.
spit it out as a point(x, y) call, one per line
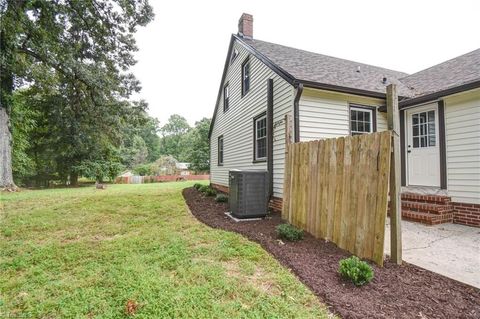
point(229, 214)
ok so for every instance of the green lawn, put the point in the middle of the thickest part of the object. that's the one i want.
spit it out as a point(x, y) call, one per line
point(86, 253)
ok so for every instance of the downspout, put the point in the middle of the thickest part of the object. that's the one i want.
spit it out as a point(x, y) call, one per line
point(270, 137)
point(296, 116)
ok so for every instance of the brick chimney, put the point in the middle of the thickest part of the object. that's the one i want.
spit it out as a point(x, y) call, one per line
point(245, 26)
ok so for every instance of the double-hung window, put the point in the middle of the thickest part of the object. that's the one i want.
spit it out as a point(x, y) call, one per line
point(220, 150)
point(245, 76)
point(226, 97)
point(362, 120)
point(260, 138)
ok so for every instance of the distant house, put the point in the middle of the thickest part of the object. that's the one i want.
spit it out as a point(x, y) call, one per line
point(183, 168)
point(127, 173)
point(327, 97)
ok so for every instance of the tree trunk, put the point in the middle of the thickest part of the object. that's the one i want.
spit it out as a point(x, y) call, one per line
point(73, 179)
point(6, 177)
point(6, 90)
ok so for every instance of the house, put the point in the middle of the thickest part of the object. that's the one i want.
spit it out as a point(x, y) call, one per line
point(127, 173)
point(268, 90)
point(182, 168)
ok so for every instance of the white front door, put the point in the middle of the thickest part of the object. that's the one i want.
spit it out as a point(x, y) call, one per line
point(423, 156)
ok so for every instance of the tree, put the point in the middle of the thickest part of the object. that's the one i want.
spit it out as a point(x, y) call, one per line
point(149, 133)
point(24, 122)
point(199, 154)
point(140, 143)
point(77, 50)
point(173, 137)
point(165, 165)
point(99, 170)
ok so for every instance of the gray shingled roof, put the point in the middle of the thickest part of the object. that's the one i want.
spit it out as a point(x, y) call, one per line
point(324, 69)
point(319, 68)
point(452, 73)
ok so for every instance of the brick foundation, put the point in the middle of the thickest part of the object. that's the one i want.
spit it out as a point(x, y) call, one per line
point(220, 188)
point(275, 204)
point(466, 214)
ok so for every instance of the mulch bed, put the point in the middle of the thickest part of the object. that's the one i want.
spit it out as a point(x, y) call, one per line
point(405, 291)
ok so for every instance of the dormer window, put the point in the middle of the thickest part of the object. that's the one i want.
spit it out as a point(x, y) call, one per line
point(245, 76)
point(233, 56)
point(226, 97)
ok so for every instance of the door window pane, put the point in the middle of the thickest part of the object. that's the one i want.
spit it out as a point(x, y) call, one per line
point(415, 142)
point(415, 130)
point(423, 141)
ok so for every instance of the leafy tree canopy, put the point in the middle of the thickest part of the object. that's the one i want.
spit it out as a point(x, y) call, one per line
point(74, 56)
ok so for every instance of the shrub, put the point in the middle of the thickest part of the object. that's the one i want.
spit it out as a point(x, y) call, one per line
point(197, 186)
point(359, 272)
point(203, 188)
point(207, 190)
point(289, 232)
point(210, 191)
point(143, 170)
point(221, 198)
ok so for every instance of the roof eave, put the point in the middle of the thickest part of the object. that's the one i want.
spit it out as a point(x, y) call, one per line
point(342, 89)
point(230, 46)
point(439, 94)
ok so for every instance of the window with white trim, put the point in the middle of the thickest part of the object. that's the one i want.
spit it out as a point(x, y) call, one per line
point(226, 97)
point(220, 150)
point(245, 76)
point(361, 121)
point(260, 147)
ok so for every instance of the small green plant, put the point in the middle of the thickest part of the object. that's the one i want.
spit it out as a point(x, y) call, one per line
point(359, 272)
point(197, 186)
point(221, 198)
point(208, 190)
point(7, 232)
point(203, 188)
point(289, 232)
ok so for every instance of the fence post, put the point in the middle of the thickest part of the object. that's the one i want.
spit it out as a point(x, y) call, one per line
point(395, 178)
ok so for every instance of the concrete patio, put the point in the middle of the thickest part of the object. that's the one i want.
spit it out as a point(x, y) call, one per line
point(448, 249)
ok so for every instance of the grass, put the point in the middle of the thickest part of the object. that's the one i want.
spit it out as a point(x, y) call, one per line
point(87, 253)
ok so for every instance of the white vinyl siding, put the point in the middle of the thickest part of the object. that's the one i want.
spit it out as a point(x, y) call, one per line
point(236, 125)
point(326, 115)
point(382, 124)
point(462, 134)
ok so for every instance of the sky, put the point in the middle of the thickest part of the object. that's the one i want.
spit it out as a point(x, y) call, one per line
point(182, 52)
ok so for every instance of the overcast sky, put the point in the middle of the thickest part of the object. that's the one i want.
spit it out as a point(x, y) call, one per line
point(182, 52)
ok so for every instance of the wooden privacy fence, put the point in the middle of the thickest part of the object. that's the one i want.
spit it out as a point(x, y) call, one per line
point(337, 189)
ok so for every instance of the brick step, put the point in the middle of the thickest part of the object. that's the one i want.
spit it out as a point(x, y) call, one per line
point(426, 207)
point(426, 218)
point(434, 199)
